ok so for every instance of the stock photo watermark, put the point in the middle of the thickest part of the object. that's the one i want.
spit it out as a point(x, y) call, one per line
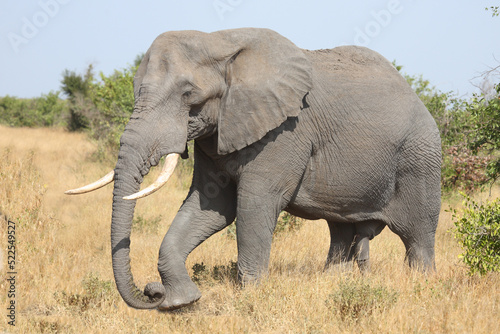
point(381, 19)
point(11, 274)
point(31, 25)
point(224, 6)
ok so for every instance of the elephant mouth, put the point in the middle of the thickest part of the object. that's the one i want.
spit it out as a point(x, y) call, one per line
point(167, 171)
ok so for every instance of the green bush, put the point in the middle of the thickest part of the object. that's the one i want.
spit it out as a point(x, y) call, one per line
point(44, 111)
point(101, 107)
point(287, 223)
point(355, 299)
point(97, 292)
point(485, 134)
point(113, 96)
point(471, 153)
point(202, 274)
point(477, 230)
point(76, 87)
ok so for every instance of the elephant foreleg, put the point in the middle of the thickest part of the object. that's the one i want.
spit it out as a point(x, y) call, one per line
point(191, 227)
point(257, 216)
point(209, 208)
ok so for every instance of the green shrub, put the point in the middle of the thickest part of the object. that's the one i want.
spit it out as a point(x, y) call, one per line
point(477, 230)
point(76, 87)
point(202, 274)
point(485, 134)
point(101, 107)
point(97, 292)
point(47, 326)
point(355, 299)
point(113, 97)
point(287, 223)
point(47, 110)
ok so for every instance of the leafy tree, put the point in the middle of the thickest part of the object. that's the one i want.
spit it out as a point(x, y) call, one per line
point(495, 10)
point(77, 88)
point(478, 228)
point(485, 134)
point(101, 106)
point(113, 97)
point(74, 84)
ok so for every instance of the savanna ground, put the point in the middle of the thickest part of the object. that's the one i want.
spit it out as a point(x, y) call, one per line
point(64, 281)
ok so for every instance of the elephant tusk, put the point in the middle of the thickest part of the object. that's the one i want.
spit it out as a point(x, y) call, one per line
point(108, 178)
point(168, 169)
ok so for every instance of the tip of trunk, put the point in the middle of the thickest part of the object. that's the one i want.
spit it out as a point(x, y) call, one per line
point(154, 294)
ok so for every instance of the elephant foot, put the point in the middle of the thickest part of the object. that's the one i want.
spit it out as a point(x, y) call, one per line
point(178, 298)
point(364, 265)
point(247, 280)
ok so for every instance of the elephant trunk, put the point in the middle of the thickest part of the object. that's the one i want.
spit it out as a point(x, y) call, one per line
point(128, 179)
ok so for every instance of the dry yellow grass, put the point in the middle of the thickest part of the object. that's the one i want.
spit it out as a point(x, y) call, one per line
point(65, 281)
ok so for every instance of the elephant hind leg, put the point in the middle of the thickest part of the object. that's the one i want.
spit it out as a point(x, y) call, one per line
point(414, 214)
point(417, 228)
point(365, 231)
point(342, 245)
point(420, 257)
point(350, 241)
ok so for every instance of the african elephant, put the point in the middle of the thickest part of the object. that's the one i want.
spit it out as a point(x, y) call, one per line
point(328, 134)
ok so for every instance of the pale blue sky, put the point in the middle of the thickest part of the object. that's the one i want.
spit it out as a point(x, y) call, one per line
point(449, 42)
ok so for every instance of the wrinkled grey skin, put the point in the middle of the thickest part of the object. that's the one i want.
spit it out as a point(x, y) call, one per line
point(334, 134)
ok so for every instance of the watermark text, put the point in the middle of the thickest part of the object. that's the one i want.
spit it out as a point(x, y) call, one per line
point(380, 20)
point(11, 273)
point(31, 26)
point(224, 6)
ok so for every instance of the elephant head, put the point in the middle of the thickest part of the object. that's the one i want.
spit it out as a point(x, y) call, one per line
point(235, 84)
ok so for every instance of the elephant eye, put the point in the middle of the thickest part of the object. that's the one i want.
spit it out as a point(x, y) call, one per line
point(187, 94)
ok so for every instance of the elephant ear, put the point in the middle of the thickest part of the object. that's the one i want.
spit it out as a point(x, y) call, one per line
point(267, 79)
